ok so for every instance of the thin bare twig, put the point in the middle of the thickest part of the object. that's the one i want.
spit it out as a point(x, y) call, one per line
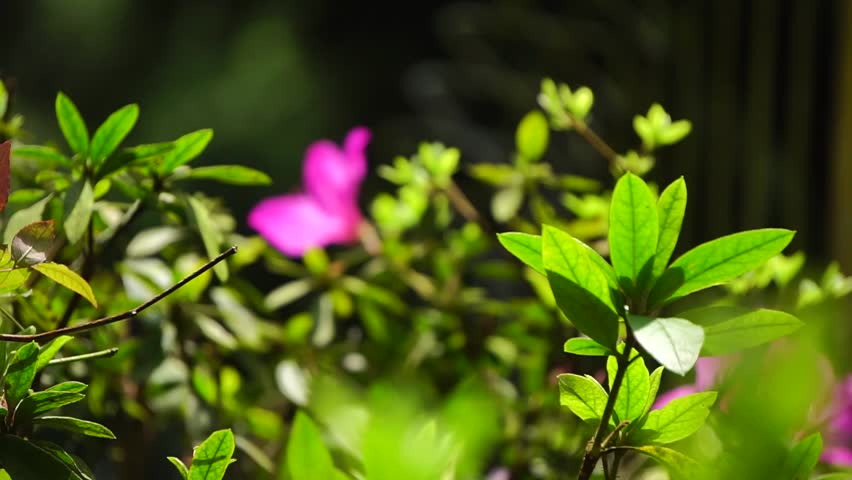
point(75, 329)
point(466, 208)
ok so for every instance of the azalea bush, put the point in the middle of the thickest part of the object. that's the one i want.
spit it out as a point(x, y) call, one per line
point(415, 333)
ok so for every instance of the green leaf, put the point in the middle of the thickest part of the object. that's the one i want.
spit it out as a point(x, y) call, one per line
point(49, 350)
point(579, 286)
point(526, 247)
point(79, 204)
point(26, 196)
point(633, 230)
point(139, 154)
point(288, 293)
point(654, 387)
point(674, 133)
point(679, 419)
point(181, 468)
point(231, 174)
point(586, 347)
point(43, 154)
point(5, 173)
point(495, 174)
point(583, 395)
point(633, 396)
point(532, 136)
point(210, 235)
point(42, 402)
point(674, 460)
point(213, 456)
point(72, 125)
point(718, 261)
point(674, 342)
point(307, 456)
point(72, 387)
point(186, 148)
point(24, 217)
point(803, 458)
point(32, 244)
point(671, 208)
point(4, 99)
point(76, 425)
point(23, 460)
point(731, 329)
point(506, 202)
point(67, 278)
point(21, 373)
point(112, 132)
point(71, 461)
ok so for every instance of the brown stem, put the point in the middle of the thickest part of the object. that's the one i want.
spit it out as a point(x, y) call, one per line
point(466, 208)
point(594, 450)
point(75, 329)
point(595, 141)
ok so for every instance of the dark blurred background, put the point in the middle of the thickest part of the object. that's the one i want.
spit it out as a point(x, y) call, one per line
point(766, 83)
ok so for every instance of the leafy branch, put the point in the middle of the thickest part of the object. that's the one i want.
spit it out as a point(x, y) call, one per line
point(75, 329)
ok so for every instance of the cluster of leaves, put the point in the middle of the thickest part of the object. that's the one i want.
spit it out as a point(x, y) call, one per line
point(371, 349)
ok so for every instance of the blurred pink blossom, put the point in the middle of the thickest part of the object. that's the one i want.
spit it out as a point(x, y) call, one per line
point(326, 211)
point(708, 371)
point(837, 421)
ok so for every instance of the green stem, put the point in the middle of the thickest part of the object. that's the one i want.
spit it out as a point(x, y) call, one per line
point(86, 356)
point(594, 449)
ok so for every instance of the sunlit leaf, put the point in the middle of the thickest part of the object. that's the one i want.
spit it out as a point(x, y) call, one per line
point(633, 231)
point(76, 425)
point(532, 136)
point(186, 148)
point(527, 248)
point(213, 456)
point(586, 347)
point(79, 205)
point(583, 395)
point(72, 125)
point(635, 386)
point(671, 208)
point(718, 261)
point(679, 419)
point(231, 174)
point(67, 278)
point(112, 132)
point(731, 329)
point(674, 342)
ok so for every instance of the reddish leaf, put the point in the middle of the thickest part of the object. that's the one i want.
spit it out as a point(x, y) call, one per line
point(5, 152)
point(32, 243)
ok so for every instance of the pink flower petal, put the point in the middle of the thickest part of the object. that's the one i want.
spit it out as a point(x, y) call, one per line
point(834, 455)
point(707, 372)
point(333, 175)
point(674, 394)
point(297, 222)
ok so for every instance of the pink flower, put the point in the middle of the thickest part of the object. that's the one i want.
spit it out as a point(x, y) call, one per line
point(326, 212)
point(837, 433)
point(708, 371)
